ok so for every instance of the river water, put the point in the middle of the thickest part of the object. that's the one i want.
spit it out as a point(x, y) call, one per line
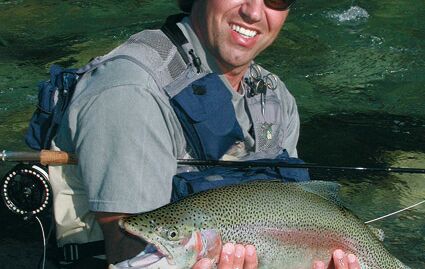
point(355, 67)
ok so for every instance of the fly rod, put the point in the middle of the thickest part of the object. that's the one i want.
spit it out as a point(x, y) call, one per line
point(49, 157)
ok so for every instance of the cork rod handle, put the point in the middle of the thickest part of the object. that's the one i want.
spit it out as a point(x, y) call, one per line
point(49, 157)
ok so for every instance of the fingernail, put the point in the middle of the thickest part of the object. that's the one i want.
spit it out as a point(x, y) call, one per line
point(339, 254)
point(351, 258)
point(250, 250)
point(239, 251)
point(229, 248)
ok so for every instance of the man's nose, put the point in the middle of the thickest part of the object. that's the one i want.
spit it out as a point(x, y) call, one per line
point(252, 10)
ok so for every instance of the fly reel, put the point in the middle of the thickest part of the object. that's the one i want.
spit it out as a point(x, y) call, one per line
point(26, 190)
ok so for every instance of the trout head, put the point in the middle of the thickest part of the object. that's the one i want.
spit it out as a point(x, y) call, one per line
point(181, 243)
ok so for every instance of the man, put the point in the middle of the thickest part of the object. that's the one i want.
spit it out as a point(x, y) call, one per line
point(128, 135)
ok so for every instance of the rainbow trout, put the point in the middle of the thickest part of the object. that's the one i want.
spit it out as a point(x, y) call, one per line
point(291, 225)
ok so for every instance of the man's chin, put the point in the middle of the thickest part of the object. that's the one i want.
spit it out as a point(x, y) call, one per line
point(235, 61)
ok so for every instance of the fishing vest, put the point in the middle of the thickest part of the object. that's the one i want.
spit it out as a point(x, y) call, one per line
point(203, 105)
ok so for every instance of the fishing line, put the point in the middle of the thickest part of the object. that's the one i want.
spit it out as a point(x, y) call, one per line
point(396, 212)
point(44, 243)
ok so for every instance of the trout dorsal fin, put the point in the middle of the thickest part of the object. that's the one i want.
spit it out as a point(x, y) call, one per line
point(325, 189)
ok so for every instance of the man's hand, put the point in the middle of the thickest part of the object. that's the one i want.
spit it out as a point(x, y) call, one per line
point(232, 256)
point(340, 261)
point(238, 256)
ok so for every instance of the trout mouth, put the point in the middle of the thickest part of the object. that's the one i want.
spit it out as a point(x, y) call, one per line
point(161, 250)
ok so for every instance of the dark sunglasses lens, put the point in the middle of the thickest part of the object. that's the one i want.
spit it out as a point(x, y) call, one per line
point(279, 4)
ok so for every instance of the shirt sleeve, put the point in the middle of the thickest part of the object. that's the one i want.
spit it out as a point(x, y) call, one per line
point(123, 142)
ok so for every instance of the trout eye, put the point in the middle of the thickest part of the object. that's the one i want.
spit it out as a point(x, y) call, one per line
point(172, 234)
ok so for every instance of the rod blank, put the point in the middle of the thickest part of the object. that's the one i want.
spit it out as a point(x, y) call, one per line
point(300, 165)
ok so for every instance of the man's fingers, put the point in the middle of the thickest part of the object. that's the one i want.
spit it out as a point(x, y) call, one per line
point(227, 256)
point(353, 263)
point(340, 259)
point(251, 260)
point(239, 256)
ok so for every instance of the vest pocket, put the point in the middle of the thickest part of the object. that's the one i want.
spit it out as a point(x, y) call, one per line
point(207, 116)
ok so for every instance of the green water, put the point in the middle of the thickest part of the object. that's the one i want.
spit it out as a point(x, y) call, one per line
point(355, 68)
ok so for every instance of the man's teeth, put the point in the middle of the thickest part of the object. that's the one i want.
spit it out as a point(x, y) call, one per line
point(243, 31)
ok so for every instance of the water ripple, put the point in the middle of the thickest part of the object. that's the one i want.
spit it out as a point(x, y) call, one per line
point(353, 14)
point(11, 2)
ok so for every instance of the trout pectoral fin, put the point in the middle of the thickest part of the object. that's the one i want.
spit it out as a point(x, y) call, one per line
point(212, 244)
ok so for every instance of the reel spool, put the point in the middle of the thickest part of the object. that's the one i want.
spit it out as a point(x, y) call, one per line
point(26, 190)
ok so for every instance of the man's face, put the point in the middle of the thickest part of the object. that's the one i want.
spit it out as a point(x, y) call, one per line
point(236, 31)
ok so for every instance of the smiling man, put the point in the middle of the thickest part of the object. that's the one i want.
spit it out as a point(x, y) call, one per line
point(190, 90)
point(235, 32)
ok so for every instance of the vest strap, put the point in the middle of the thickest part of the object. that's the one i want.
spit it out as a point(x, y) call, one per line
point(176, 36)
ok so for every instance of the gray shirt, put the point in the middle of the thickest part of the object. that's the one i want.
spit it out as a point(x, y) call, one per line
point(128, 138)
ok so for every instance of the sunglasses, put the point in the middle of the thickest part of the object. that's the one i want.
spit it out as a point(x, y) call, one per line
point(279, 4)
